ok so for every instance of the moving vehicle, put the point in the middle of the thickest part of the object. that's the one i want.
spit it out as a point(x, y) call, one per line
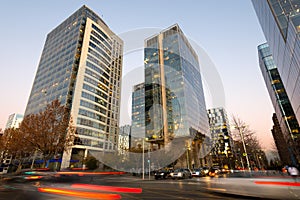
point(181, 173)
point(198, 172)
point(162, 174)
point(214, 171)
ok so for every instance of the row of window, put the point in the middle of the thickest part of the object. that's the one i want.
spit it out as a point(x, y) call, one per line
point(95, 91)
point(107, 48)
point(97, 69)
point(93, 98)
point(92, 106)
point(91, 44)
point(90, 123)
point(96, 76)
point(88, 142)
point(96, 61)
point(94, 53)
point(95, 83)
point(89, 132)
point(101, 33)
point(91, 115)
point(53, 54)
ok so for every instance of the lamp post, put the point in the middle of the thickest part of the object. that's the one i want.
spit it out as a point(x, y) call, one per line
point(33, 159)
point(187, 154)
point(149, 162)
point(241, 132)
point(143, 160)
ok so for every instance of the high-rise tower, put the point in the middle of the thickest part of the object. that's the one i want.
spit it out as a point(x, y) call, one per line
point(285, 115)
point(81, 66)
point(138, 114)
point(174, 99)
point(280, 22)
point(221, 139)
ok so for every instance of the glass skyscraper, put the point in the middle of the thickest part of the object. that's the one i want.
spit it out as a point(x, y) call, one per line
point(81, 66)
point(174, 99)
point(221, 139)
point(280, 22)
point(280, 142)
point(281, 103)
point(124, 139)
point(138, 114)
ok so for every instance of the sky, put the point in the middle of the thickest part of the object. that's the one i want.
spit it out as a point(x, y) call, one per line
point(227, 31)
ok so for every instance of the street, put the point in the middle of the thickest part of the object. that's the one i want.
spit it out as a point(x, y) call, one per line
point(131, 187)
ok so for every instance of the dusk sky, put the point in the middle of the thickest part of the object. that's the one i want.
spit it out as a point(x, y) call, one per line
point(227, 31)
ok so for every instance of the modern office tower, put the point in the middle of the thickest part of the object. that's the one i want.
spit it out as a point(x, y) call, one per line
point(124, 139)
point(81, 66)
point(138, 114)
point(174, 100)
point(280, 22)
point(14, 120)
point(221, 139)
point(281, 103)
point(280, 142)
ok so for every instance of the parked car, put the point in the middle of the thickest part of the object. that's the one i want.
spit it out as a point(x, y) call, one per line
point(181, 173)
point(162, 174)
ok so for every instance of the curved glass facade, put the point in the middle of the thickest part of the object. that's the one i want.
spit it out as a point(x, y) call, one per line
point(174, 99)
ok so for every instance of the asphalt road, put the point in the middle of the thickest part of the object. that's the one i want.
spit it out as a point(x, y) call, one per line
point(92, 187)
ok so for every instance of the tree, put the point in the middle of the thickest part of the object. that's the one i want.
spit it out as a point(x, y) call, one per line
point(12, 145)
point(48, 132)
point(243, 130)
point(246, 140)
point(91, 162)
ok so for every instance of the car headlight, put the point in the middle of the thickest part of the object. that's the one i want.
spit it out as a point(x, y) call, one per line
point(179, 174)
point(161, 174)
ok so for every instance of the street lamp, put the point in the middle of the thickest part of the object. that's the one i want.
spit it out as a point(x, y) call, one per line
point(188, 148)
point(241, 132)
point(143, 159)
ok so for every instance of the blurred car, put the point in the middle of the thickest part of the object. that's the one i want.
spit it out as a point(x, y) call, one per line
point(198, 172)
point(27, 176)
point(181, 173)
point(190, 172)
point(214, 171)
point(162, 174)
point(224, 171)
point(205, 171)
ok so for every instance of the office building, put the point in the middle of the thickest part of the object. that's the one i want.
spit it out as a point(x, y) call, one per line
point(280, 142)
point(138, 114)
point(14, 120)
point(281, 103)
point(280, 22)
point(81, 66)
point(221, 139)
point(124, 139)
point(174, 99)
